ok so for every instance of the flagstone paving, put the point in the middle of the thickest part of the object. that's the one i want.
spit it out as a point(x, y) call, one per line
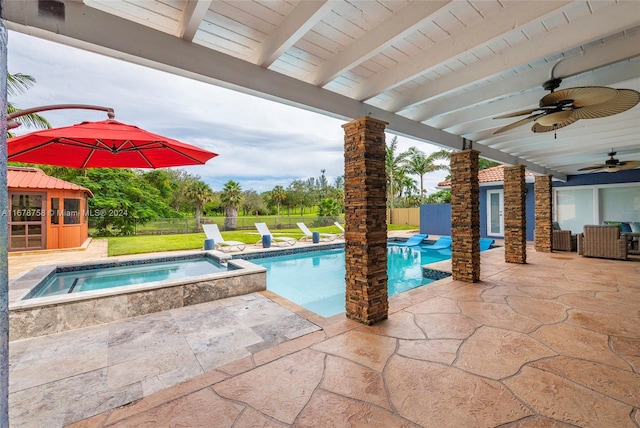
point(554, 342)
point(62, 378)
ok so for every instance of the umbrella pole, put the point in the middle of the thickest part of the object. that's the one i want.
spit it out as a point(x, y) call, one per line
point(4, 238)
point(12, 123)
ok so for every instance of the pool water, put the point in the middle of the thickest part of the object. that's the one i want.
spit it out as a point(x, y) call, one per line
point(95, 279)
point(315, 280)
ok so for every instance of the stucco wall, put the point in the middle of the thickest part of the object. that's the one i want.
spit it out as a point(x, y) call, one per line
point(436, 218)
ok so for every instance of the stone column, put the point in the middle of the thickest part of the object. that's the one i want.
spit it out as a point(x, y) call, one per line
point(465, 216)
point(515, 215)
point(543, 213)
point(365, 212)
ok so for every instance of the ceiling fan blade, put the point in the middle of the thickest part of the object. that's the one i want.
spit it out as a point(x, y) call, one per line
point(516, 114)
point(624, 165)
point(518, 123)
point(581, 96)
point(537, 127)
point(552, 119)
point(623, 101)
point(593, 167)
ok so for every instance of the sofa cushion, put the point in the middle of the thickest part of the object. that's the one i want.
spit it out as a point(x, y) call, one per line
point(625, 227)
point(635, 226)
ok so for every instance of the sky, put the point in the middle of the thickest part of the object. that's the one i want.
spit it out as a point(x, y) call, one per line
point(260, 143)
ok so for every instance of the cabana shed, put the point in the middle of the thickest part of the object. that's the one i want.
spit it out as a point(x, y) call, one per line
point(45, 212)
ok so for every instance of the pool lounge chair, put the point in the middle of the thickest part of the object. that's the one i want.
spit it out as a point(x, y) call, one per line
point(485, 243)
point(309, 235)
point(263, 230)
point(212, 232)
point(442, 243)
point(414, 240)
point(339, 226)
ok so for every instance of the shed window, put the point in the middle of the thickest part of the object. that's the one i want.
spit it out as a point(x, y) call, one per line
point(71, 211)
point(55, 211)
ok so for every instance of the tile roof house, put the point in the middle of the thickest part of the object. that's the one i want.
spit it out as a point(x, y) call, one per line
point(45, 212)
point(489, 175)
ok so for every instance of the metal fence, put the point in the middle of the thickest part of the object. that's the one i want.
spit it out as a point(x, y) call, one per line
point(161, 226)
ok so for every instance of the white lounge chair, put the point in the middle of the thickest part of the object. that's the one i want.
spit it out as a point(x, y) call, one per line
point(212, 232)
point(309, 235)
point(339, 226)
point(263, 230)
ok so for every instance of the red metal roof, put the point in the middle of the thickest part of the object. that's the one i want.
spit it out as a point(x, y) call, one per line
point(35, 178)
point(489, 175)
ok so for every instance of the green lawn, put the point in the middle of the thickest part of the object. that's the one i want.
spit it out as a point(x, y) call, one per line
point(125, 245)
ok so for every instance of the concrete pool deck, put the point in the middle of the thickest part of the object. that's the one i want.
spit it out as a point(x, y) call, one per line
point(554, 342)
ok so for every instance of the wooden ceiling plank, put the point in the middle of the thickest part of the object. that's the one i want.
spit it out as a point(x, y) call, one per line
point(192, 16)
point(470, 38)
point(384, 35)
point(592, 27)
point(297, 23)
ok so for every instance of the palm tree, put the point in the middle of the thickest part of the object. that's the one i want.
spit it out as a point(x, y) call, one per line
point(279, 195)
point(408, 186)
point(231, 197)
point(200, 193)
point(18, 84)
point(420, 164)
point(395, 168)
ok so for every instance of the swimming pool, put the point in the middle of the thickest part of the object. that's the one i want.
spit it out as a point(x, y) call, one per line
point(77, 280)
point(315, 280)
point(154, 284)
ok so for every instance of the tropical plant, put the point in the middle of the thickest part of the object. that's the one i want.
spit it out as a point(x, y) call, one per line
point(279, 195)
point(439, 197)
point(395, 168)
point(252, 202)
point(200, 193)
point(408, 186)
point(17, 84)
point(231, 198)
point(323, 184)
point(122, 199)
point(420, 164)
point(328, 211)
point(486, 163)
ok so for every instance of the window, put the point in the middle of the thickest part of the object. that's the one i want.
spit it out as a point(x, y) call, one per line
point(71, 211)
point(55, 211)
point(620, 203)
point(85, 216)
point(574, 208)
point(26, 207)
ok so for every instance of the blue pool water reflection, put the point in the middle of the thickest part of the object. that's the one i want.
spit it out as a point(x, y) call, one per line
point(116, 276)
point(315, 280)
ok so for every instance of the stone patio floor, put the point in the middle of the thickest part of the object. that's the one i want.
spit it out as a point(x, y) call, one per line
point(551, 343)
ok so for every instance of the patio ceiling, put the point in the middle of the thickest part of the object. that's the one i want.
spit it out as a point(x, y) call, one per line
point(437, 71)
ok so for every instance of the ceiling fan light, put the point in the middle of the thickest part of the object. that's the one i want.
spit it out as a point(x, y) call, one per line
point(553, 118)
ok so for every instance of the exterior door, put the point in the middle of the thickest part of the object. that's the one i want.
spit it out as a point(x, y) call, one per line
point(495, 209)
point(27, 221)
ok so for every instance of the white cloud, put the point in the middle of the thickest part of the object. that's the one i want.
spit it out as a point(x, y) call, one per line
point(260, 143)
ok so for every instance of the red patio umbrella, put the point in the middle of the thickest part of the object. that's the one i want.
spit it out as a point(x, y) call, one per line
point(105, 144)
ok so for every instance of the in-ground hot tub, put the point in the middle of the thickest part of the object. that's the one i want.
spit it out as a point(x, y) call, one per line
point(50, 299)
